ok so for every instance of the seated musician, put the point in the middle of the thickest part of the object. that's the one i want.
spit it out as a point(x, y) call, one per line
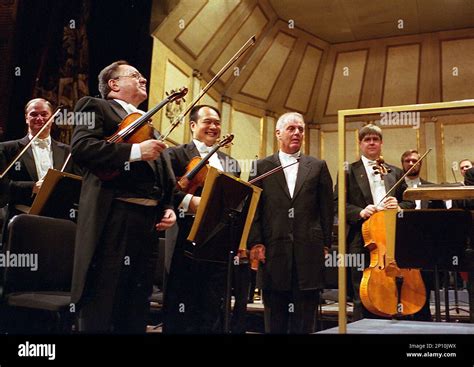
point(465, 165)
point(24, 179)
point(194, 290)
point(365, 193)
point(411, 158)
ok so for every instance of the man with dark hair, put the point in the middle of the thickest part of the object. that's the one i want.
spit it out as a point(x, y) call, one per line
point(194, 290)
point(292, 226)
point(365, 191)
point(118, 215)
point(464, 165)
point(411, 158)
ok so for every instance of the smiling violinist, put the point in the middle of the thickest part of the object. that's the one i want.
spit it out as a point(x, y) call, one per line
point(192, 301)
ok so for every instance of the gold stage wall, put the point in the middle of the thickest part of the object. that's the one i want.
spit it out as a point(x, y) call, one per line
point(291, 69)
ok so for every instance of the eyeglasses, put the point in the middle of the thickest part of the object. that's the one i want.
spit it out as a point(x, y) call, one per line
point(135, 75)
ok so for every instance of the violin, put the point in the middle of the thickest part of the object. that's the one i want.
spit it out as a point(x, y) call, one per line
point(196, 170)
point(385, 289)
point(136, 128)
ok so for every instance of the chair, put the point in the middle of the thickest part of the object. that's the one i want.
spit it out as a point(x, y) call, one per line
point(46, 244)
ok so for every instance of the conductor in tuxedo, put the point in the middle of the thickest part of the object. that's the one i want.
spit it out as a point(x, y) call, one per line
point(119, 215)
point(292, 226)
point(194, 291)
point(365, 191)
point(24, 179)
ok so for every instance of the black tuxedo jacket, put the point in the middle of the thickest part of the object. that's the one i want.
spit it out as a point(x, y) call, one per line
point(293, 230)
point(359, 196)
point(17, 185)
point(431, 204)
point(92, 153)
point(179, 158)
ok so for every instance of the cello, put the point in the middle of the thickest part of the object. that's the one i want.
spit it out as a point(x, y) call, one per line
point(387, 290)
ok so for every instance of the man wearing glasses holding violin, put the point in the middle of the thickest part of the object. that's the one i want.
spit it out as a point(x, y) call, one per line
point(365, 196)
point(125, 198)
point(194, 288)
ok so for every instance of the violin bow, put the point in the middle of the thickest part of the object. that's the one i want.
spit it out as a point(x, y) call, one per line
point(403, 177)
point(271, 172)
point(50, 120)
point(234, 58)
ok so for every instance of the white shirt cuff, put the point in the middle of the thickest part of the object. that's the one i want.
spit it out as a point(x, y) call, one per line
point(184, 206)
point(135, 153)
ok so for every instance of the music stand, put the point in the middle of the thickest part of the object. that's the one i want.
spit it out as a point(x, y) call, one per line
point(58, 196)
point(433, 239)
point(223, 221)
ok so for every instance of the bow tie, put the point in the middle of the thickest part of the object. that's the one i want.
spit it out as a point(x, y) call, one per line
point(371, 163)
point(205, 149)
point(41, 143)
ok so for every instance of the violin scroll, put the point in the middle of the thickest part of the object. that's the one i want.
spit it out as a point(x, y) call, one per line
point(380, 167)
point(226, 141)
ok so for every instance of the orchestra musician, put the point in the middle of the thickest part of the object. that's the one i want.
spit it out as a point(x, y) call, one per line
point(365, 190)
point(23, 180)
point(292, 226)
point(118, 218)
point(465, 165)
point(408, 159)
point(194, 291)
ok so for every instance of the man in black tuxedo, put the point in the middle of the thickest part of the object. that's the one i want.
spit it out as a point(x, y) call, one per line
point(365, 191)
point(194, 290)
point(292, 226)
point(408, 159)
point(24, 179)
point(22, 182)
point(127, 189)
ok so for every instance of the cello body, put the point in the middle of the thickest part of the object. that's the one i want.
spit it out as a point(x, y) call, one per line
point(385, 289)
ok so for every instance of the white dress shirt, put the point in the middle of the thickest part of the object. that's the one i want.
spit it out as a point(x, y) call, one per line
point(135, 153)
point(291, 173)
point(377, 186)
point(414, 183)
point(43, 155)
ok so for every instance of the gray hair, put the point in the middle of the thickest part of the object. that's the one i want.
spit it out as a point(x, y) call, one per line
point(288, 117)
point(108, 73)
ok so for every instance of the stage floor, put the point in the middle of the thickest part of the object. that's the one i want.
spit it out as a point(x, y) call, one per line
point(371, 326)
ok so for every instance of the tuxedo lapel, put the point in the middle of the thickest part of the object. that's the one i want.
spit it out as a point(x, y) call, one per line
point(280, 175)
point(389, 180)
point(363, 181)
point(59, 155)
point(304, 168)
point(118, 109)
point(28, 159)
point(192, 151)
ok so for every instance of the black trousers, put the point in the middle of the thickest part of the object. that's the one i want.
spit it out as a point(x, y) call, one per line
point(292, 312)
point(121, 276)
point(179, 294)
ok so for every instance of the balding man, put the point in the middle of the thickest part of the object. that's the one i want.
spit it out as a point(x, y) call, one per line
point(24, 179)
